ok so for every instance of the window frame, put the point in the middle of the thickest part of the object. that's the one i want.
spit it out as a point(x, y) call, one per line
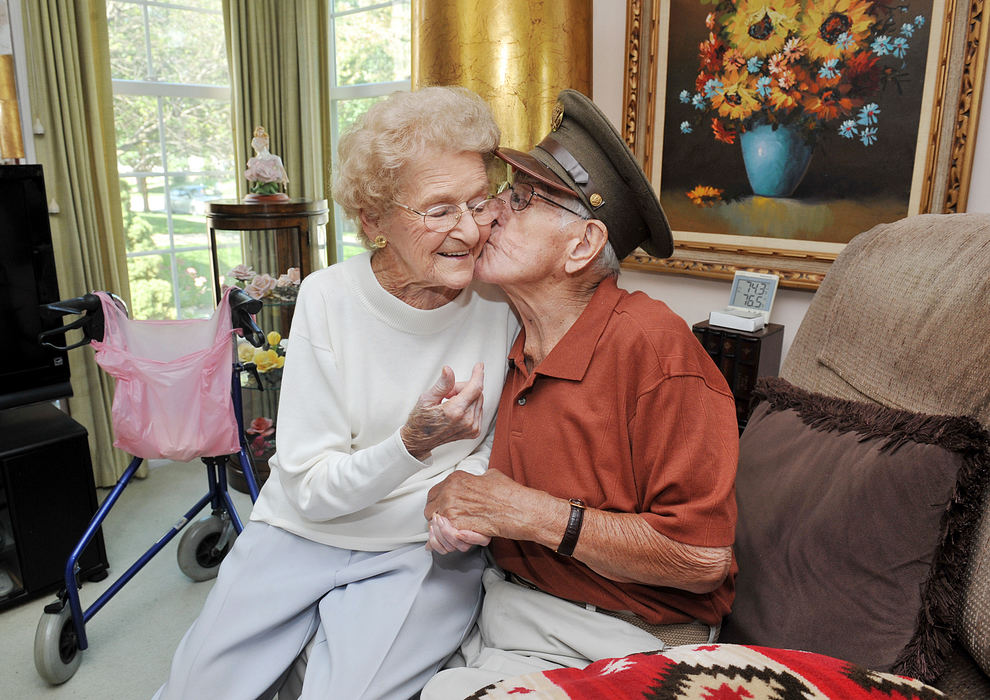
point(160, 90)
point(344, 93)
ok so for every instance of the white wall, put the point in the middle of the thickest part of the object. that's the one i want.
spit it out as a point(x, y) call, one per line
point(693, 297)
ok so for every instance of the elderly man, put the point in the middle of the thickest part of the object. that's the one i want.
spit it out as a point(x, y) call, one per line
point(609, 500)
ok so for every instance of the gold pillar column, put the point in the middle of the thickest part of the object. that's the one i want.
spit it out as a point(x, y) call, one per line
point(516, 54)
point(11, 143)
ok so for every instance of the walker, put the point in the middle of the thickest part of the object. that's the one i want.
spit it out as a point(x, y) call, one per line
point(152, 375)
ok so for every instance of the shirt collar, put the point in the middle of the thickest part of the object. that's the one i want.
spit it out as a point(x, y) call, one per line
point(571, 356)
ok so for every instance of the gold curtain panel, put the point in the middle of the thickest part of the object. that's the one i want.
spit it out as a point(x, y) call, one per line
point(517, 54)
point(11, 144)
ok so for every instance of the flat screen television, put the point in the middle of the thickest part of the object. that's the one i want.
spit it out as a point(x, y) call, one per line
point(29, 372)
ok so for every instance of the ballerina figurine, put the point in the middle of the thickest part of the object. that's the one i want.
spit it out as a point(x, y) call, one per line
point(265, 173)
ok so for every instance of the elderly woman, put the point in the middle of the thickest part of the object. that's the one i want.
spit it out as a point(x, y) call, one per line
point(391, 383)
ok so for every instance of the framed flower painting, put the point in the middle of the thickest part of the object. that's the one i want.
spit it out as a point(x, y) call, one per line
point(775, 131)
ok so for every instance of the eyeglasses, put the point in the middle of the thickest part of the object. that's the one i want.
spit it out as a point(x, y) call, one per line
point(444, 217)
point(521, 195)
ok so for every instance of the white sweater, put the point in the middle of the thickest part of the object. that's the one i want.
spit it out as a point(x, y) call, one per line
point(356, 362)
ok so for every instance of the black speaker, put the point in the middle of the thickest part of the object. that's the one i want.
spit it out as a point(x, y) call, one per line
point(47, 498)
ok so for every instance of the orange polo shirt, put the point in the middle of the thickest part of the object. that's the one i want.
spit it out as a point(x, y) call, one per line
point(629, 414)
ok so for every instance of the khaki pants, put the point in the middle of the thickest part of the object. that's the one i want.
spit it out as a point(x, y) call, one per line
point(521, 630)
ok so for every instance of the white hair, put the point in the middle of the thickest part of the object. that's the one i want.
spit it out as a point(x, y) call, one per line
point(394, 132)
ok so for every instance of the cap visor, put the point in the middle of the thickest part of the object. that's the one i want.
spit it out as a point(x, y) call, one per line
point(531, 166)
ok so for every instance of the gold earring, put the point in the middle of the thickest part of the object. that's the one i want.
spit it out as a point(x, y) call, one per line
point(379, 243)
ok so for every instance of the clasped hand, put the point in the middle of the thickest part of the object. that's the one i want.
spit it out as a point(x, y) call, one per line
point(444, 538)
point(477, 504)
point(447, 411)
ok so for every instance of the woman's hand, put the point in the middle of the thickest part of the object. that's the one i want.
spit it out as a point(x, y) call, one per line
point(444, 538)
point(446, 412)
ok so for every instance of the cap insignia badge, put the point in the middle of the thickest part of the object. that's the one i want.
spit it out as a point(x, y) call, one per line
point(557, 117)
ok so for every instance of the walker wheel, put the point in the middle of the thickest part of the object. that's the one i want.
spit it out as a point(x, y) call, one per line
point(56, 651)
point(198, 556)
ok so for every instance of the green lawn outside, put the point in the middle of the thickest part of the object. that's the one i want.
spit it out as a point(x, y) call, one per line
point(152, 292)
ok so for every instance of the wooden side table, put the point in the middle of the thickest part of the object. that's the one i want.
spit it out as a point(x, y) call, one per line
point(742, 357)
point(290, 222)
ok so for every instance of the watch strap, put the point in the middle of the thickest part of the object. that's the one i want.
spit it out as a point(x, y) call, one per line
point(574, 522)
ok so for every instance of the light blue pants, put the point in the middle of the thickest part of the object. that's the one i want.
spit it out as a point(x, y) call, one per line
point(384, 622)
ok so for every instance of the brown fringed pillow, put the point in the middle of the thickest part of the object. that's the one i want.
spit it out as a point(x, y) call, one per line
point(855, 527)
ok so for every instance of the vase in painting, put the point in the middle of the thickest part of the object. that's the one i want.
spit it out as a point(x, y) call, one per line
point(776, 159)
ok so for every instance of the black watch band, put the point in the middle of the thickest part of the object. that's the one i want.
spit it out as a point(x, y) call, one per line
point(570, 538)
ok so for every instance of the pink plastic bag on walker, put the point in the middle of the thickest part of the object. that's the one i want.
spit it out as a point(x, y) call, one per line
point(172, 398)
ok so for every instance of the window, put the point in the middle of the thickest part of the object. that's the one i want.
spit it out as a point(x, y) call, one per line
point(174, 153)
point(172, 114)
point(369, 59)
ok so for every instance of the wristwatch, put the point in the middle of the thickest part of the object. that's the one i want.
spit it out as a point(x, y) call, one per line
point(567, 544)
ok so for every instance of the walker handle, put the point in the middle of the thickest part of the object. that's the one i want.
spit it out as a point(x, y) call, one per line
point(242, 309)
point(91, 322)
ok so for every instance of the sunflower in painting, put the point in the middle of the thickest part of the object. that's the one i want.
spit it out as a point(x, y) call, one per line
point(760, 27)
point(832, 29)
point(817, 65)
point(736, 99)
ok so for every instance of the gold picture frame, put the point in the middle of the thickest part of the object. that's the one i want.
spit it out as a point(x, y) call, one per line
point(943, 160)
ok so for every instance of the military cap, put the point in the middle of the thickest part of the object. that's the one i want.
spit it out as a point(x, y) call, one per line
point(584, 155)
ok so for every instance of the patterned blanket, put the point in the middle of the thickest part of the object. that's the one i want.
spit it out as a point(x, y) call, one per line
point(712, 672)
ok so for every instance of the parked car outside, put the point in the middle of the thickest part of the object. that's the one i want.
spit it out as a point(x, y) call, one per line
point(191, 199)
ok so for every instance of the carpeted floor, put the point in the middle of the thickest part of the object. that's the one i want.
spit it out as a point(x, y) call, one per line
point(131, 640)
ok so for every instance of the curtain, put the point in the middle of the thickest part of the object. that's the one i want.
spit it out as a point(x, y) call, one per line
point(71, 95)
point(278, 54)
point(517, 54)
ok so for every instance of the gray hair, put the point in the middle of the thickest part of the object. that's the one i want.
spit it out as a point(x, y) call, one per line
point(394, 132)
point(606, 264)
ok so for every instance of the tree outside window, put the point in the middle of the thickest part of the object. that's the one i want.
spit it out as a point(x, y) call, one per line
point(174, 153)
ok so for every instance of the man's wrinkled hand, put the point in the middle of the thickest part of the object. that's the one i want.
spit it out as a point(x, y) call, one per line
point(486, 504)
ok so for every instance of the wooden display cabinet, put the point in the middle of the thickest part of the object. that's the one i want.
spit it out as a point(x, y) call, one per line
point(274, 236)
point(742, 357)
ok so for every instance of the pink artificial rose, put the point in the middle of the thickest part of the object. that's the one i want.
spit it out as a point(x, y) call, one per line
point(259, 446)
point(292, 277)
point(244, 273)
point(260, 286)
point(261, 426)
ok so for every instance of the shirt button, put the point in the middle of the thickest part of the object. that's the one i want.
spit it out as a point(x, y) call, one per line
point(522, 401)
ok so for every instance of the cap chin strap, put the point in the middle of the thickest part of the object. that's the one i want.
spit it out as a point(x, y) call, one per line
point(577, 173)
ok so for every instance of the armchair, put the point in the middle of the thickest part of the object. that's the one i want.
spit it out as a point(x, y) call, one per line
point(901, 321)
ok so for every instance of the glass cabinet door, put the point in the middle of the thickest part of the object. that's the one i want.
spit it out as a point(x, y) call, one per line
point(266, 250)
